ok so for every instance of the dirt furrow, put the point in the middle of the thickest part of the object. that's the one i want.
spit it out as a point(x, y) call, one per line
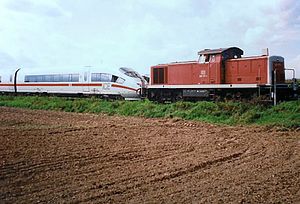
point(65, 157)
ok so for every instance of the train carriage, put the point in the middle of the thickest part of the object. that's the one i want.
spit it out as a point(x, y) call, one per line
point(82, 83)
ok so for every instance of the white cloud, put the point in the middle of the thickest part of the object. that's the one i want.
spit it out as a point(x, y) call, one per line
point(136, 33)
point(28, 31)
point(45, 8)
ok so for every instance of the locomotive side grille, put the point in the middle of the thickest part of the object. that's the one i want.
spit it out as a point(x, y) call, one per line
point(159, 75)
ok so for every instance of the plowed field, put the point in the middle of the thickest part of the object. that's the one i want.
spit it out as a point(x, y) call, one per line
point(60, 157)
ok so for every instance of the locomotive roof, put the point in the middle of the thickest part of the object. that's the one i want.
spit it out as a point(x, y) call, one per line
point(221, 50)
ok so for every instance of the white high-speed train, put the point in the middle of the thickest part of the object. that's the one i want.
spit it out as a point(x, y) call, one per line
point(82, 83)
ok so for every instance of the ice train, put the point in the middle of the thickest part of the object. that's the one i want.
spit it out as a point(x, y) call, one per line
point(97, 83)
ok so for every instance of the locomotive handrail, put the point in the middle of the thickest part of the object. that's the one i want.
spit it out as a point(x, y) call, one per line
point(275, 90)
point(294, 80)
point(290, 69)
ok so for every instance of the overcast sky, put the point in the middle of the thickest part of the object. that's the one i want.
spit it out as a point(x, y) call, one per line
point(139, 33)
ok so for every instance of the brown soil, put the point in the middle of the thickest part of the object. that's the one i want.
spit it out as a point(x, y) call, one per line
point(65, 157)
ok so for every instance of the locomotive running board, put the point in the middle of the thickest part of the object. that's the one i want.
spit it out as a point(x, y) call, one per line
point(204, 86)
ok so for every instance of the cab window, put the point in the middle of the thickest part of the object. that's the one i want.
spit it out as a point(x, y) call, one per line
point(117, 79)
point(120, 80)
point(204, 58)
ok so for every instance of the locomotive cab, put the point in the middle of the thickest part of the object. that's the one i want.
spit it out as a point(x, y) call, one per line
point(216, 59)
point(208, 55)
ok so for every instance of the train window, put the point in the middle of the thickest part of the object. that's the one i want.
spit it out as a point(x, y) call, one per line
point(120, 80)
point(117, 79)
point(0, 79)
point(103, 77)
point(32, 78)
point(26, 78)
point(95, 77)
point(65, 78)
point(202, 59)
point(52, 78)
point(49, 78)
point(39, 78)
point(56, 78)
point(74, 77)
point(207, 58)
point(85, 76)
point(114, 78)
point(10, 78)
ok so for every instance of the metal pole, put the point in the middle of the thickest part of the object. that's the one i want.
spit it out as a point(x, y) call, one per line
point(15, 80)
point(275, 97)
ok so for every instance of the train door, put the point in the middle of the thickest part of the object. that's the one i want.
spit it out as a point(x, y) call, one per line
point(214, 72)
point(280, 74)
point(277, 63)
point(86, 82)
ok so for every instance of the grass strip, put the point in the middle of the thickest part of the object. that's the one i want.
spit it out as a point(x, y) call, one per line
point(286, 114)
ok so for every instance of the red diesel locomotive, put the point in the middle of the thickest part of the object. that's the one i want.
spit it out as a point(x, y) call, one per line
point(221, 74)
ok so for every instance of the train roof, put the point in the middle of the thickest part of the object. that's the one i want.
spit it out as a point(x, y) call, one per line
point(179, 62)
point(221, 50)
